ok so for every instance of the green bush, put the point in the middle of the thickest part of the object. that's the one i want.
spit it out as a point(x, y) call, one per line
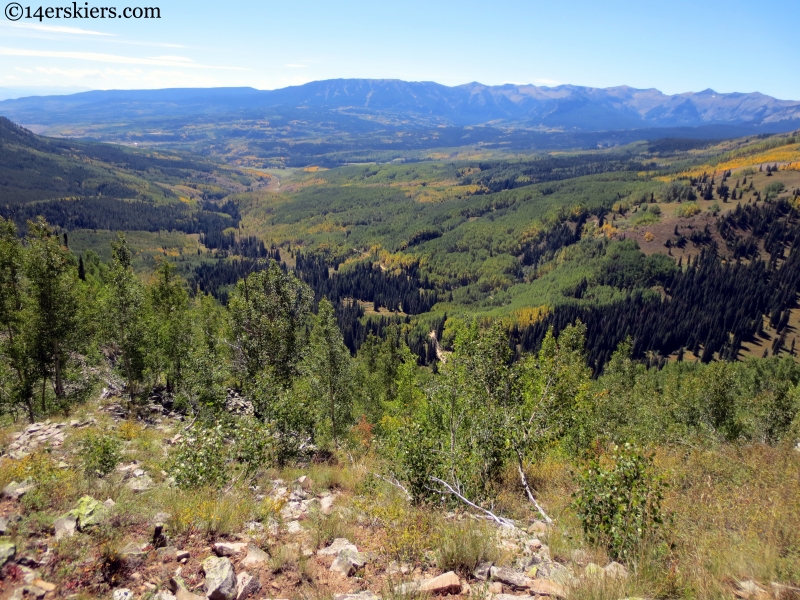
point(201, 458)
point(100, 453)
point(619, 500)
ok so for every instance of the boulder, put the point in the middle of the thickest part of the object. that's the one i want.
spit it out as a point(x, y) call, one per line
point(247, 585)
point(547, 587)
point(7, 551)
point(446, 583)
point(44, 585)
point(365, 595)
point(140, 484)
point(183, 594)
point(89, 512)
point(15, 490)
point(512, 579)
point(348, 562)
point(483, 571)
point(614, 570)
point(255, 557)
point(336, 547)
point(3, 526)
point(326, 505)
point(122, 594)
point(134, 549)
point(220, 581)
point(65, 526)
point(229, 548)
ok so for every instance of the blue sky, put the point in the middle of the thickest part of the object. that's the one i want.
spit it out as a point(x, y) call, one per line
point(673, 46)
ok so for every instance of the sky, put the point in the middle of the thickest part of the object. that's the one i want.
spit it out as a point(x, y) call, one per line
point(675, 46)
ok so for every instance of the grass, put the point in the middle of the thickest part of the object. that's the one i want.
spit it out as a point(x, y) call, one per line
point(462, 545)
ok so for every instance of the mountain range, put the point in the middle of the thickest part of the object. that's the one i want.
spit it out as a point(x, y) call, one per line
point(566, 107)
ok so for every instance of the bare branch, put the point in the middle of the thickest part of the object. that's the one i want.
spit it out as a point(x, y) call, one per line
point(530, 493)
point(499, 520)
point(393, 481)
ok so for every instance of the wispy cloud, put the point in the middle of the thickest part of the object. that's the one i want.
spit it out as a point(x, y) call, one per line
point(181, 59)
point(166, 61)
point(57, 29)
point(295, 66)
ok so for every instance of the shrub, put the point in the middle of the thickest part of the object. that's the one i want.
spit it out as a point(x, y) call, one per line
point(688, 209)
point(462, 545)
point(100, 453)
point(201, 458)
point(619, 500)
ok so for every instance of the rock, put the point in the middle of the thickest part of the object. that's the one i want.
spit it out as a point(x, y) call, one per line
point(182, 594)
point(65, 526)
point(580, 557)
point(45, 585)
point(510, 578)
point(164, 595)
point(182, 555)
point(547, 587)
point(89, 512)
point(336, 547)
point(348, 562)
point(7, 552)
point(3, 526)
point(220, 581)
point(750, 590)
point(229, 548)
point(159, 539)
point(326, 505)
point(294, 527)
point(122, 594)
point(255, 557)
point(176, 583)
point(28, 591)
point(134, 549)
point(784, 592)
point(247, 585)
point(365, 595)
point(15, 490)
point(167, 553)
point(538, 527)
point(495, 588)
point(511, 597)
point(483, 571)
point(446, 583)
point(614, 570)
point(109, 503)
point(160, 518)
point(140, 484)
point(28, 574)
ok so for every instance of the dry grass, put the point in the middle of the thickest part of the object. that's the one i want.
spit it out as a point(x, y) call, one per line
point(734, 515)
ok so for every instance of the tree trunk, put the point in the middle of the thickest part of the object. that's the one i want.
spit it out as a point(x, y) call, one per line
point(57, 367)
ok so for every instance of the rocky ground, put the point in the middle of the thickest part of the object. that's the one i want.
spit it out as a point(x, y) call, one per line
point(126, 536)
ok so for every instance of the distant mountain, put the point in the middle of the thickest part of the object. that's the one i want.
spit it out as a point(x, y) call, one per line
point(566, 107)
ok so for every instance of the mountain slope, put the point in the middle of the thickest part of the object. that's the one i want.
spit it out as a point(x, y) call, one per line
point(565, 106)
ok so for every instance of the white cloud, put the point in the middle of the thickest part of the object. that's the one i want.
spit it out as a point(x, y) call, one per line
point(110, 58)
point(295, 66)
point(172, 58)
point(70, 73)
point(57, 29)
